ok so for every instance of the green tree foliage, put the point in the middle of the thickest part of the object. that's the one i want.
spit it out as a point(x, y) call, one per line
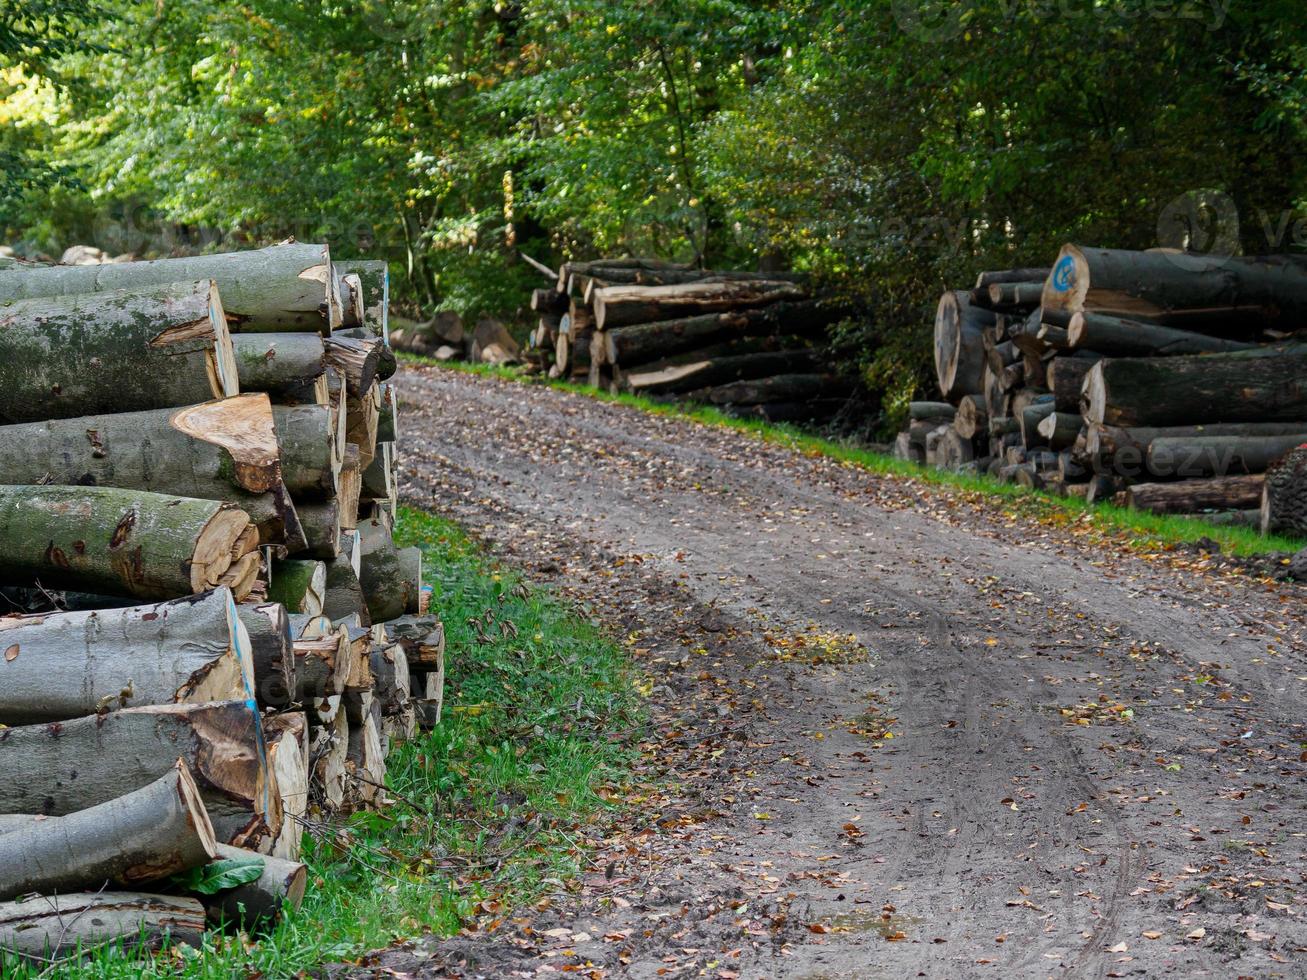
point(890, 147)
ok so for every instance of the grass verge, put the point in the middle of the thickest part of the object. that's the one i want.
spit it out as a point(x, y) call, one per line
point(1143, 530)
point(491, 808)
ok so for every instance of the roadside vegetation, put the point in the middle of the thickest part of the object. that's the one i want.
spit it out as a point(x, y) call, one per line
point(1140, 529)
point(492, 809)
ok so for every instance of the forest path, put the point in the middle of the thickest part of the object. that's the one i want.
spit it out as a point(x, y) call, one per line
point(1096, 762)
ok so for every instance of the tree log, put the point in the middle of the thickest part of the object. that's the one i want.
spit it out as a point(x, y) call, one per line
point(778, 388)
point(66, 665)
point(282, 287)
point(66, 356)
point(287, 738)
point(930, 410)
point(48, 927)
point(298, 585)
point(423, 640)
point(123, 542)
point(327, 753)
point(634, 345)
point(377, 481)
point(960, 345)
point(1013, 295)
point(356, 360)
point(1117, 337)
point(619, 306)
point(987, 279)
point(321, 664)
point(271, 653)
point(312, 443)
point(972, 418)
point(1283, 507)
point(1264, 385)
point(362, 417)
point(387, 427)
point(143, 836)
point(52, 769)
point(722, 370)
point(1152, 285)
point(221, 450)
point(321, 522)
point(1066, 378)
point(1193, 496)
point(429, 697)
point(387, 588)
point(1059, 430)
point(1106, 441)
point(258, 904)
point(351, 488)
point(278, 363)
point(374, 280)
point(344, 590)
point(1200, 456)
point(365, 757)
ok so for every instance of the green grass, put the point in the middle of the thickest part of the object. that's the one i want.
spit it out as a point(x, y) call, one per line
point(491, 807)
point(1140, 529)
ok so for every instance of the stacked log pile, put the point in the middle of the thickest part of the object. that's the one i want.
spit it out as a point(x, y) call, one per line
point(211, 639)
point(749, 343)
point(1162, 381)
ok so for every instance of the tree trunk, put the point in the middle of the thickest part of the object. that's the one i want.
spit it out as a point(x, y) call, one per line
point(221, 450)
point(635, 345)
point(311, 441)
point(271, 653)
point(391, 682)
point(1284, 498)
point(282, 287)
point(44, 928)
point(143, 836)
point(54, 769)
point(1031, 418)
point(1264, 385)
point(123, 542)
point(1153, 285)
point(66, 356)
point(1066, 378)
point(960, 345)
point(423, 640)
point(930, 410)
point(722, 370)
point(258, 904)
point(321, 665)
point(66, 665)
point(374, 278)
point(298, 585)
point(321, 522)
point(1193, 496)
point(1117, 337)
point(1106, 441)
point(1012, 295)
point(278, 363)
point(1200, 456)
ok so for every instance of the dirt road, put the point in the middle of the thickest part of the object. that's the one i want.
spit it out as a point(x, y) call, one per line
point(910, 736)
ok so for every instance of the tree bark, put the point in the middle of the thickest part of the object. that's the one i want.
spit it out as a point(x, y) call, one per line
point(391, 682)
point(930, 410)
point(327, 753)
point(344, 591)
point(1060, 429)
point(1031, 418)
point(365, 757)
point(972, 418)
point(350, 488)
point(122, 542)
point(143, 836)
point(1153, 285)
point(221, 450)
point(282, 287)
point(52, 769)
point(778, 388)
point(1117, 337)
point(66, 356)
point(1193, 496)
point(619, 306)
point(321, 522)
point(1264, 385)
point(271, 653)
point(321, 664)
point(58, 666)
point(987, 279)
point(387, 588)
point(378, 480)
point(278, 363)
point(960, 345)
point(429, 697)
point(1283, 507)
point(48, 927)
point(1107, 440)
point(1013, 295)
point(387, 419)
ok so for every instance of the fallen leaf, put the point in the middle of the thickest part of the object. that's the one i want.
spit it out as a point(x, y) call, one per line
point(1118, 948)
point(1152, 934)
point(1198, 933)
point(11, 653)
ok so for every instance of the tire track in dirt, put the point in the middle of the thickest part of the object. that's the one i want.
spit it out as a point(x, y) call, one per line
point(1030, 844)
